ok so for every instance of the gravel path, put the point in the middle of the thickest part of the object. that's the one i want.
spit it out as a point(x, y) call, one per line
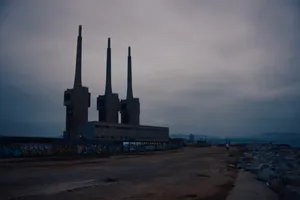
point(247, 187)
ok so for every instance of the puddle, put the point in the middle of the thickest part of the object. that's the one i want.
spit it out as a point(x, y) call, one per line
point(61, 187)
point(56, 188)
point(110, 180)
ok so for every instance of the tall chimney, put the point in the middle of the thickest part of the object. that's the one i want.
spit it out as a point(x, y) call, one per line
point(108, 89)
point(129, 76)
point(77, 81)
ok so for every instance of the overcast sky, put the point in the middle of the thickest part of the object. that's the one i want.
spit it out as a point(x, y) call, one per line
point(215, 67)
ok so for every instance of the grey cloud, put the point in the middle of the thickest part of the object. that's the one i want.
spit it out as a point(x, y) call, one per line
point(217, 67)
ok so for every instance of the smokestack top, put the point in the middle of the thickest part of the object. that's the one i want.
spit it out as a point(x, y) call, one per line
point(108, 43)
point(129, 76)
point(108, 89)
point(79, 30)
point(77, 81)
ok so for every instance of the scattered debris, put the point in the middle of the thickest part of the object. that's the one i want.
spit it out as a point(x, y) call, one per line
point(191, 195)
point(110, 180)
point(231, 166)
point(203, 175)
point(276, 165)
point(187, 196)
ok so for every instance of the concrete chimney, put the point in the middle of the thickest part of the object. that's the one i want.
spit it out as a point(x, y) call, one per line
point(129, 76)
point(108, 89)
point(77, 81)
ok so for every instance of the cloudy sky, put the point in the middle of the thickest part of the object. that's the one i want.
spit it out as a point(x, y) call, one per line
point(216, 67)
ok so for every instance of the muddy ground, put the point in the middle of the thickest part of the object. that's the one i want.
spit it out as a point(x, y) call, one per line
point(184, 174)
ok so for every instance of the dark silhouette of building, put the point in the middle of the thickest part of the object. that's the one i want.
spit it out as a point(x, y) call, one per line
point(130, 107)
point(191, 138)
point(108, 104)
point(77, 100)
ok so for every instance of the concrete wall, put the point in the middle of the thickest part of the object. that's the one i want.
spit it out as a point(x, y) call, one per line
point(12, 149)
point(33, 149)
point(44, 149)
point(77, 102)
point(130, 111)
point(108, 108)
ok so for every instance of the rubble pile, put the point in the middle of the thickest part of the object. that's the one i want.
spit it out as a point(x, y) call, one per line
point(276, 165)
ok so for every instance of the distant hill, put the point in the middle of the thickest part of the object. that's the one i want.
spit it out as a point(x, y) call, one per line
point(211, 139)
point(186, 136)
point(292, 139)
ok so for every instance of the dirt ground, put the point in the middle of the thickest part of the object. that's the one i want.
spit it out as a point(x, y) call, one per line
point(185, 174)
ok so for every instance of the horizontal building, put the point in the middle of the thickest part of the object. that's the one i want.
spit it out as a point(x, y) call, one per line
point(125, 132)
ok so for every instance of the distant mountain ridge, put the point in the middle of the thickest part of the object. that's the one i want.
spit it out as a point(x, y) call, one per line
point(292, 139)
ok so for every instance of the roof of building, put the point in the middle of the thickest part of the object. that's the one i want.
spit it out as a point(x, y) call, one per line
point(124, 125)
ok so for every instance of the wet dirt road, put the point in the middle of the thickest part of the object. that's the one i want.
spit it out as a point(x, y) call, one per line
point(189, 173)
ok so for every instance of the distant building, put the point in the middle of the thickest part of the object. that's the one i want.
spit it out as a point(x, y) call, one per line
point(123, 132)
point(191, 138)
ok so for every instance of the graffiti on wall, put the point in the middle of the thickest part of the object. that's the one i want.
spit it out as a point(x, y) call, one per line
point(91, 149)
point(31, 149)
point(114, 149)
point(46, 149)
point(36, 149)
point(63, 149)
point(28, 149)
point(144, 146)
point(11, 151)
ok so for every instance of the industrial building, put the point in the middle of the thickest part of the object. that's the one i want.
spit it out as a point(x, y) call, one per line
point(77, 101)
point(123, 132)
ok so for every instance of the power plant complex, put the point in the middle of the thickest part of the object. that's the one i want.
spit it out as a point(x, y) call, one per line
point(77, 101)
point(107, 135)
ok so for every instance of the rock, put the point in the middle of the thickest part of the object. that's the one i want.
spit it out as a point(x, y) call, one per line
point(293, 180)
point(266, 174)
point(110, 180)
point(231, 166)
point(276, 165)
point(289, 194)
point(276, 185)
point(294, 189)
point(203, 175)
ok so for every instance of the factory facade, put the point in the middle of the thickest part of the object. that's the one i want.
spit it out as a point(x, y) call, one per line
point(77, 102)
